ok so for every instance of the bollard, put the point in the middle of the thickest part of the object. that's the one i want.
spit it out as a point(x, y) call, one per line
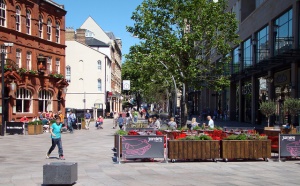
point(60, 173)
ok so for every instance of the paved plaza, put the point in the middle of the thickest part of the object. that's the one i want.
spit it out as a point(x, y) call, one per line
point(22, 158)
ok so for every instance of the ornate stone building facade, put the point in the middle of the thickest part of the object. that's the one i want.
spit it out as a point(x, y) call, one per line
point(35, 64)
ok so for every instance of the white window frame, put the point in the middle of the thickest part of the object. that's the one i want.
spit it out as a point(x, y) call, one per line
point(18, 19)
point(19, 57)
point(49, 65)
point(28, 22)
point(45, 97)
point(57, 32)
point(49, 29)
point(57, 65)
point(28, 60)
point(24, 95)
point(41, 26)
point(68, 74)
point(2, 13)
point(99, 85)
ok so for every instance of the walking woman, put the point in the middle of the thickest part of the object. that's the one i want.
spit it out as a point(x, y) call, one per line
point(55, 131)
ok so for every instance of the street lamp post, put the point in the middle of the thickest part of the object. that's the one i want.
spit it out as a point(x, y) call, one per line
point(3, 52)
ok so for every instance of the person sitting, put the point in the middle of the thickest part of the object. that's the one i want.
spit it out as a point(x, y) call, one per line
point(156, 123)
point(24, 119)
point(194, 123)
point(210, 122)
point(99, 122)
point(172, 124)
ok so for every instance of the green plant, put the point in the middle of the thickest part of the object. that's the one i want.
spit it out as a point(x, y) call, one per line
point(7, 68)
point(292, 106)
point(202, 137)
point(35, 123)
point(197, 128)
point(56, 75)
point(121, 132)
point(22, 71)
point(268, 108)
point(32, 72)
point(218, 128)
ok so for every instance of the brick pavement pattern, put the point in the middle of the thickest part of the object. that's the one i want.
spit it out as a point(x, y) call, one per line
point(22, 158)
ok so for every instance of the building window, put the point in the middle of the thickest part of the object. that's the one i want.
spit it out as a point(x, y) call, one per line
point(28, 61)
point(18, 18)
point(247, 54)
point(49, 65)
point(236, 60)
point(68, 74)
point(99, 85)
point(99, 64)
point(18, 58)
point(259, 2)
point(262, 47)
point(57, 32)
point(2, 13)
point(57, 65)
point(23, 100)
point(28, 22)
point(45, 101)
point(283, 33)
point(40, 26)
point(49, 25)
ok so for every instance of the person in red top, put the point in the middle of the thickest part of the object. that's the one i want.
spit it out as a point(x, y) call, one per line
point(24, 119)
point(99, 122)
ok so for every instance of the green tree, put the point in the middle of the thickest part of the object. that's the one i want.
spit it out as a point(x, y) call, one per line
point(268, 108)
point(186, 36)
point(292, 106)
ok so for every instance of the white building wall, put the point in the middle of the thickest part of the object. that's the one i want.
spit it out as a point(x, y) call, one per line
point(84, 76)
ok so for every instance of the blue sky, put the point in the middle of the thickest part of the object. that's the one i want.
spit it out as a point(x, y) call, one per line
point(111, 15)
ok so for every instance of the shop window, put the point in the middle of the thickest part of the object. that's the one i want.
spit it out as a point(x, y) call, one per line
point(23, 100)
point(236, 60)
point(262, 47)
point(247, 54)
point(45, 101)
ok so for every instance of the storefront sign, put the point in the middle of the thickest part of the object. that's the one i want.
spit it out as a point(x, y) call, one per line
point(14, 127)
point(282, 78)
point(143, 146)
point(289, 145)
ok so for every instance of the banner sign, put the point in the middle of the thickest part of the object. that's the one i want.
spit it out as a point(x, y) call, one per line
point(289, 145)
point(14, 127)
point(142, 146)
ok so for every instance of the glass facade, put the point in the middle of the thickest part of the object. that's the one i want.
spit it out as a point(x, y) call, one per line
point(235, 60)
point(262, 47)
point(283, 33)
point(247, 54)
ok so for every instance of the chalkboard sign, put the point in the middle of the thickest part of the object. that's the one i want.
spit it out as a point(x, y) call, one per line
point(140, 129)
point(289, 145)
point(14, 127)
point(142, 147)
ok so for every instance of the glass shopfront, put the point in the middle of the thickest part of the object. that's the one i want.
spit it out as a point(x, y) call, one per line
point(262, 49)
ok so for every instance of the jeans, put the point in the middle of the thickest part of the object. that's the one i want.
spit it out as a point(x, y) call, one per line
point(70, 127)
point(56, 141)
point(135, 119)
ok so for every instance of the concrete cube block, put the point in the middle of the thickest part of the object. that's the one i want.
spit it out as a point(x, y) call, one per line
point(60, 173)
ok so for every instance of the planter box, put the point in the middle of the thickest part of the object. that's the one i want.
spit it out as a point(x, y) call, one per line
point(31, 130)
point(39, 129)
point(245, 149)
point(193, 149)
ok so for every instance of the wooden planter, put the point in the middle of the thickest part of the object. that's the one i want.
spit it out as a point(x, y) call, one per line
point(193, 149)
point(39, 129)
point(245, 149)
point(31, 129)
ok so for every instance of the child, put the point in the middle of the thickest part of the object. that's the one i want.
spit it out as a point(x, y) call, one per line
point(55, 131)
point(120, 121)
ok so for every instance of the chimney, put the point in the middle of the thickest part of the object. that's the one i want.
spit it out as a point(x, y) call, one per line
point(70, 34)
point(80, 35)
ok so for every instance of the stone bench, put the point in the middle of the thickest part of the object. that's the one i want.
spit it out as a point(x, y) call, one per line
point(60, 173)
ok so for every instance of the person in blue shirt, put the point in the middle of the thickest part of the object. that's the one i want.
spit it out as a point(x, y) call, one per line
point(55, 131)
point(120, 121)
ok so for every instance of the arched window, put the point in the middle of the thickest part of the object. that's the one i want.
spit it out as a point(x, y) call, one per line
point(99, 84)
point(23, 100)
point(99, 64)
point(18, 18)
point(28, 22)
point(57, 32)
point(45, 101)
point(49, 26)
point(68, 73)
point(40, 26)
point(2, 13)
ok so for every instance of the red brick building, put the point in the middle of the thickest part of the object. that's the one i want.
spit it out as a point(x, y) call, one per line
point(35, 64)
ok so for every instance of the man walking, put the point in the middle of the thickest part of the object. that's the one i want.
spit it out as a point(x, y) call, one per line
point(71, 120)
point(87, 118)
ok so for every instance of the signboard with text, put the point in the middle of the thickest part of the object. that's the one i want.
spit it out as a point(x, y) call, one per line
point(289, 145)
